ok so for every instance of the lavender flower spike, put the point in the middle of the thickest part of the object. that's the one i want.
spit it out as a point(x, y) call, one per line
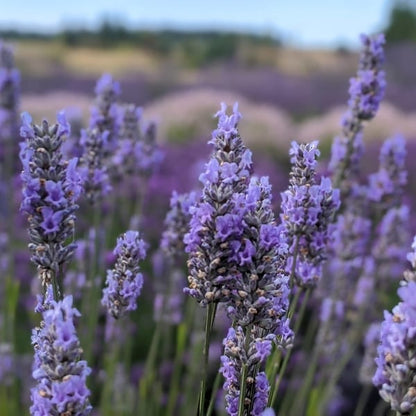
point(307, 211)
point(396, 361)
point(51, 187)
point(366, 92)
point(215, 222)
point(124, 282)
point(58, 369)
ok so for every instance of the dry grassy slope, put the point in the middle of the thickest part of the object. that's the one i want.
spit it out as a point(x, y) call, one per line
point(40, 58)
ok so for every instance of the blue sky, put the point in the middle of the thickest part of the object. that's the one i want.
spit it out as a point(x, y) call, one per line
point(302, 22)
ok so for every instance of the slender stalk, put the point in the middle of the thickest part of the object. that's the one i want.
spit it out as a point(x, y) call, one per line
point(276, 355)
point(210, 316)
point(289, 352)
point(214, 391)
point(380, 408)
point(183, 331)
point(243, 383)
point(149, 373)
point(362, 401)
point(244, 372)
point(94, 289)
point(111, 361)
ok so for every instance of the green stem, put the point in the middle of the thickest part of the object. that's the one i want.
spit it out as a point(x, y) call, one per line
point(182, 338)
point(214, 391)
point(296, 331)
point(244, 372)
point(149, 372)
point(211, 311)
point(93, 295)
point(362, 401)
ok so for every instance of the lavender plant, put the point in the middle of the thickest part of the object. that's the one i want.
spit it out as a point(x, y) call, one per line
point(52, 186)
point(366, 92)
point(245, 267)
point(307, 210)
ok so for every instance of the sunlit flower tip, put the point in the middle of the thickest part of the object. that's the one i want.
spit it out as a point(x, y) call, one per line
point(26, 129)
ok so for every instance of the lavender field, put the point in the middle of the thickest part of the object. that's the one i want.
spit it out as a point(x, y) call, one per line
point(233, 238)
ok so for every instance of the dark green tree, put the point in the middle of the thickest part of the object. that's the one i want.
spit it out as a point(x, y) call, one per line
point(402, 22)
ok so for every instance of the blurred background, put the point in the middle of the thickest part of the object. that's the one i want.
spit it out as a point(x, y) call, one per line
point(288, 64)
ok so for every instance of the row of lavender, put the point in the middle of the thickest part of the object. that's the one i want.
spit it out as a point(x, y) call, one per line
point(261, 282)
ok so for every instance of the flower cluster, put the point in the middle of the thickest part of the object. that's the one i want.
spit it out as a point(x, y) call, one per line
point(58, 369)
point(214, 223)
point(52, 185)
point(307, 210)
point(396, 361)
point(124, 282)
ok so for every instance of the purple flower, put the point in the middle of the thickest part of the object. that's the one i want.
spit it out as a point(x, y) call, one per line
point(58, 369)
point(124, 282)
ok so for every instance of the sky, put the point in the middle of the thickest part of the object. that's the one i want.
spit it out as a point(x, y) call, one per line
point(305, 23)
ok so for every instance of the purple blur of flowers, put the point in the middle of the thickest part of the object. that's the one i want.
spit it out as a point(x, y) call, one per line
point(351, 238)
point(58, 369)
point(177, 223)
point(232, 361)
point(366, 92)
point(215, 223)
point(386, 185)
point(371, 341)
point(137, 152)
point(9, 94)
point(92, 167)
point(396, 360)
point(390, 245)
point(124, 282)
point(105, 114)
point(51, 187)
point(307, 211)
